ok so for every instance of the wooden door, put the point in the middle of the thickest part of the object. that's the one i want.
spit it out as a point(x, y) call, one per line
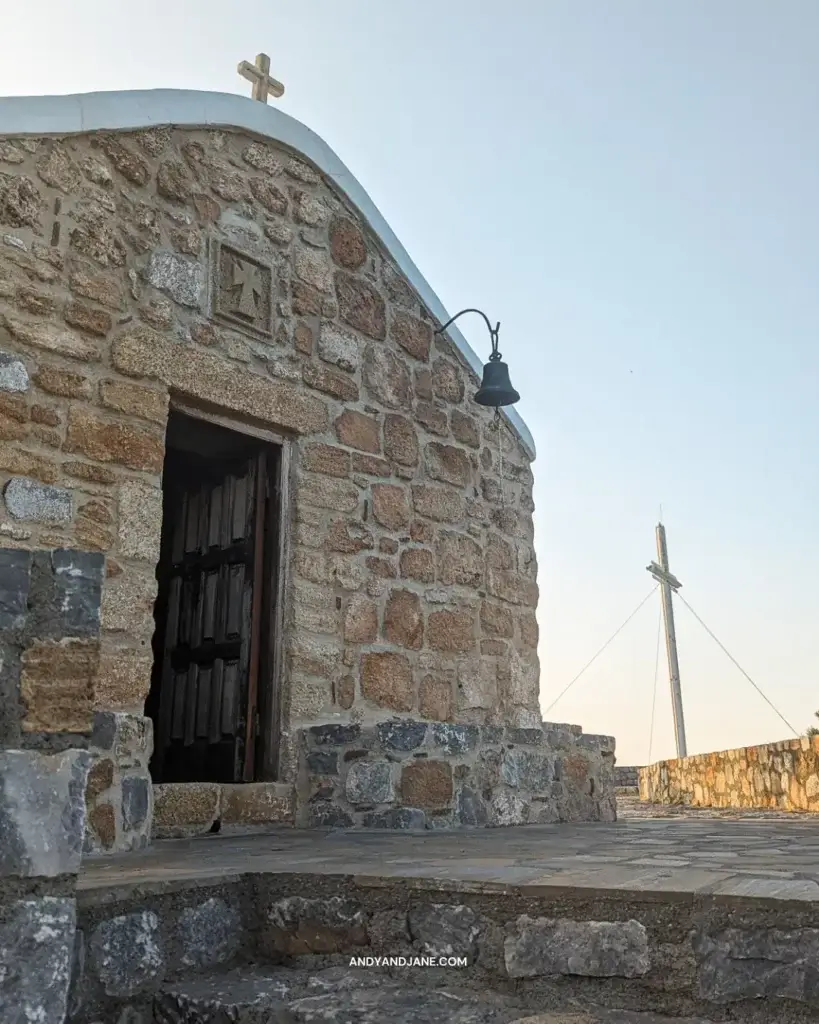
point(210, 589)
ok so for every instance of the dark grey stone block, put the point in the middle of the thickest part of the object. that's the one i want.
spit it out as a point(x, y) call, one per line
point(396, 817)
point(126, 953)
point(525, 737)
point(527, 769)
point(209, 934)
point(594, 949)
point(135, 802)
point(400, 735)
point(36, 952)
point(491, 734)
point(327, 815)
point(15, 580)
point(470, 808)
point(247, 995)
point(768, 963)
point(455, 739)
point(42, 812)
point(11, 709)
point(443, 929)
point(370, 782)
point(333, 735)
point(104, 731)
point(78, 591)
point(322, 762)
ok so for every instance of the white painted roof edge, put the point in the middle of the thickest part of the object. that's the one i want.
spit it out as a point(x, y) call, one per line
point(134, 110)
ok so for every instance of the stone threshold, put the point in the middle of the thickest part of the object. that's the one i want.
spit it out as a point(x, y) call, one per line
point(186, 809)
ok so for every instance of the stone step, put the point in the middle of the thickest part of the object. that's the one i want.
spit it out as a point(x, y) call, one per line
point(337, 995)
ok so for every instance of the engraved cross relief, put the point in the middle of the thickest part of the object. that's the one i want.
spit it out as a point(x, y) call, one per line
point(241, 289)
point(247, 278)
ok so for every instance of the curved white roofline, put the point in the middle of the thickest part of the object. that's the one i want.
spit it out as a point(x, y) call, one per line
point(131, 111)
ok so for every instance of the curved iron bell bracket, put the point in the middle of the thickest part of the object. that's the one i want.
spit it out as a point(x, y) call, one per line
point(496, 388)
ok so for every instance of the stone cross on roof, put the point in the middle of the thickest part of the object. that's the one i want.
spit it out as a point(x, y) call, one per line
point(259, 75)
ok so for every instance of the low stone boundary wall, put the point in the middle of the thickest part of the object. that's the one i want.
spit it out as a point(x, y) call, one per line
point(782, 775)
point(410, 774)
point(627, 776)
point(743, 960)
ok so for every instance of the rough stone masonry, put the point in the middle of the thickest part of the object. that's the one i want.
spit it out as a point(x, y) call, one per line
point(224, 270)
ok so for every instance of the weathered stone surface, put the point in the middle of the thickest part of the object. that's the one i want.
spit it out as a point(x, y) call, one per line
point(432, 417)
point(450, 631)
point(297, 925)
point(386, 378)
point(390, 506)
point(757, 963)
point(52, 337)
point(404, 619)
point(360, 621)
point(455, 739)
point(435, 699)
point(126, 953)
point(179, 805)
point(324, 492)
point(180, 278)
point(401, 734)
point(40, 503)
point(136, 802)
point(140, 520)
point(448, 464)
point(209, 933)
point(347, 245)
point(447, 381)
point(243, 995)
point(358, 431)
point(471, 809)
point(412, 334)
point(113, 441)
point(36, 950)
point(401, 818)
point(496, 620)
point(443, 929)
point(42, 812)
point(339, 347)
point(460, 559)
point(527, 769)
point(596, 949)
point(477, 684)
point(417, 564)
point(426, 784)
point(57, 686)
point(465, 429)
point(370, 782)
point(360, 305)
point(256, 803)
point(400, 440)
point(135, 400)
point(200, 374)
point(13, 374)
point(386, 680)
point(334, 735)
point(439, 503)
point(329, 382)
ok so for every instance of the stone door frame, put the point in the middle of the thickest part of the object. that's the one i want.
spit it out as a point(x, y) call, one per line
point(270, 727)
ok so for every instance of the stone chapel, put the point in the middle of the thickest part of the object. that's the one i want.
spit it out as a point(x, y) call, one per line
point(261, 553)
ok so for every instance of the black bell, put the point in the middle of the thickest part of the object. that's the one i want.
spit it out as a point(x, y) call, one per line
point(496, 389)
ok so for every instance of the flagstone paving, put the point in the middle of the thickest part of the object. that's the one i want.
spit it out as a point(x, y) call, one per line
point(773, 858)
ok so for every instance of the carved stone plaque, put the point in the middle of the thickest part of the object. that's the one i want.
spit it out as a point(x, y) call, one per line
point(242, 290)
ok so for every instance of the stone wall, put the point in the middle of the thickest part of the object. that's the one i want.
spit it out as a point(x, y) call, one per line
point(626, 776)
point(412, 582)
point(779, 775)
point(42, 817)
point(413, 774)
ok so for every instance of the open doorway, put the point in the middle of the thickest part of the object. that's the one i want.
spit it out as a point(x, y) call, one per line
point(214, 696)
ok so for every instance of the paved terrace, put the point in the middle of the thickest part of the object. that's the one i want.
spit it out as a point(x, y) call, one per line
point(774, 857)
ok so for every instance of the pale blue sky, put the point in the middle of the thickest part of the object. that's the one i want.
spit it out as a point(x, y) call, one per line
point(631, 188)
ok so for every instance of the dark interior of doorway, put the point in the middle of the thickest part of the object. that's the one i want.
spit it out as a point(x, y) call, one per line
point(212, 698)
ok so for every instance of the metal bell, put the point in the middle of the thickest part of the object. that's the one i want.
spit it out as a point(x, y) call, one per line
point(496, 389)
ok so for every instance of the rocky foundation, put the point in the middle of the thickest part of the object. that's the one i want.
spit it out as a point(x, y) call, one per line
point(410, 774)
